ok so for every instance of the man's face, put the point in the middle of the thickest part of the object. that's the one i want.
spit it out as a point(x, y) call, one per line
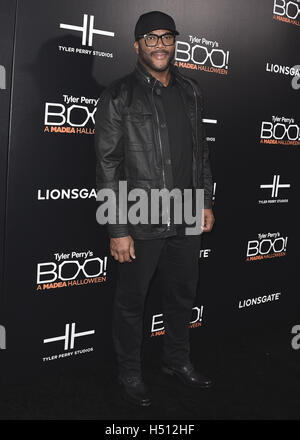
point(158, 57)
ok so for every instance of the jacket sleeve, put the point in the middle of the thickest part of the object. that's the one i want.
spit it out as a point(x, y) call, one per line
point(207, 175)
point(110, 154)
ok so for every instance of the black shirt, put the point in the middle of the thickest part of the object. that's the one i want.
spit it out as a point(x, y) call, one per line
point(180, 137)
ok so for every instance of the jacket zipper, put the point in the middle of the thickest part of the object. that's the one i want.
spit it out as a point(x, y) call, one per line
point(196, 127)
point(163, 169)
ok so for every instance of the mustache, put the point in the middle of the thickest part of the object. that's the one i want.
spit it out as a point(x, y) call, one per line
point(160, 51)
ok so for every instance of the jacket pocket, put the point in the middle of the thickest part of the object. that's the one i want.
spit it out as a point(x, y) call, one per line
point(140, 147)
point(138, 130)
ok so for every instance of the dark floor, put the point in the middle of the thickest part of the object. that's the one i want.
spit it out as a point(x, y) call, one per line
point(249, 384)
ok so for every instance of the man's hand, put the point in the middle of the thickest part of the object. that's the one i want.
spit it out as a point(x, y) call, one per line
point(122, 249)
point(208, 220)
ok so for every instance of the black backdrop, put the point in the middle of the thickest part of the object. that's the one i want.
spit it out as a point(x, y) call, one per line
point(57, 64)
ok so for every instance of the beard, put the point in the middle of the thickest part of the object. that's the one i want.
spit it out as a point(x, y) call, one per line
point(147, 59)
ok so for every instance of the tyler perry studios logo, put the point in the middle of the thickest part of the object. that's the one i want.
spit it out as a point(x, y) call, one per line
point(268, 245)
point(272, 189)
point(68, 339)
point(89, 35)
point(280, 131)
point(287, 11)
point(71, 269)
point(74, 115)
point(201, 54)
point(158, 329)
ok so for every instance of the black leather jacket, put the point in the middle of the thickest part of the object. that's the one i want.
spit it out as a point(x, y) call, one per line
point(131, 142)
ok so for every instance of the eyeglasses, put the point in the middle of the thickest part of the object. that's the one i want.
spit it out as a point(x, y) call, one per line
point(151, 40)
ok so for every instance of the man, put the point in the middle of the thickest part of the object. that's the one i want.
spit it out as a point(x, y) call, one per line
point(149, 132)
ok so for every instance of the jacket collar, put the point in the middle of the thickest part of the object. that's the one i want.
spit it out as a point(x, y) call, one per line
point(145, 76)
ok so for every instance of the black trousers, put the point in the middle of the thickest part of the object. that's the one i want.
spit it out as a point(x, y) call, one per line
point(178, 260)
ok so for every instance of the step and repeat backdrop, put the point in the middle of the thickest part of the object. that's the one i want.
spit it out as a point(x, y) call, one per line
point(58, 277)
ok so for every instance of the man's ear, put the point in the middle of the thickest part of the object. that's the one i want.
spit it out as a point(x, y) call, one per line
point(136, 47)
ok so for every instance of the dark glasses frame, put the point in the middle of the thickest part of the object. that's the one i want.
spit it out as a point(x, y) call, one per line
point(157, 38)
